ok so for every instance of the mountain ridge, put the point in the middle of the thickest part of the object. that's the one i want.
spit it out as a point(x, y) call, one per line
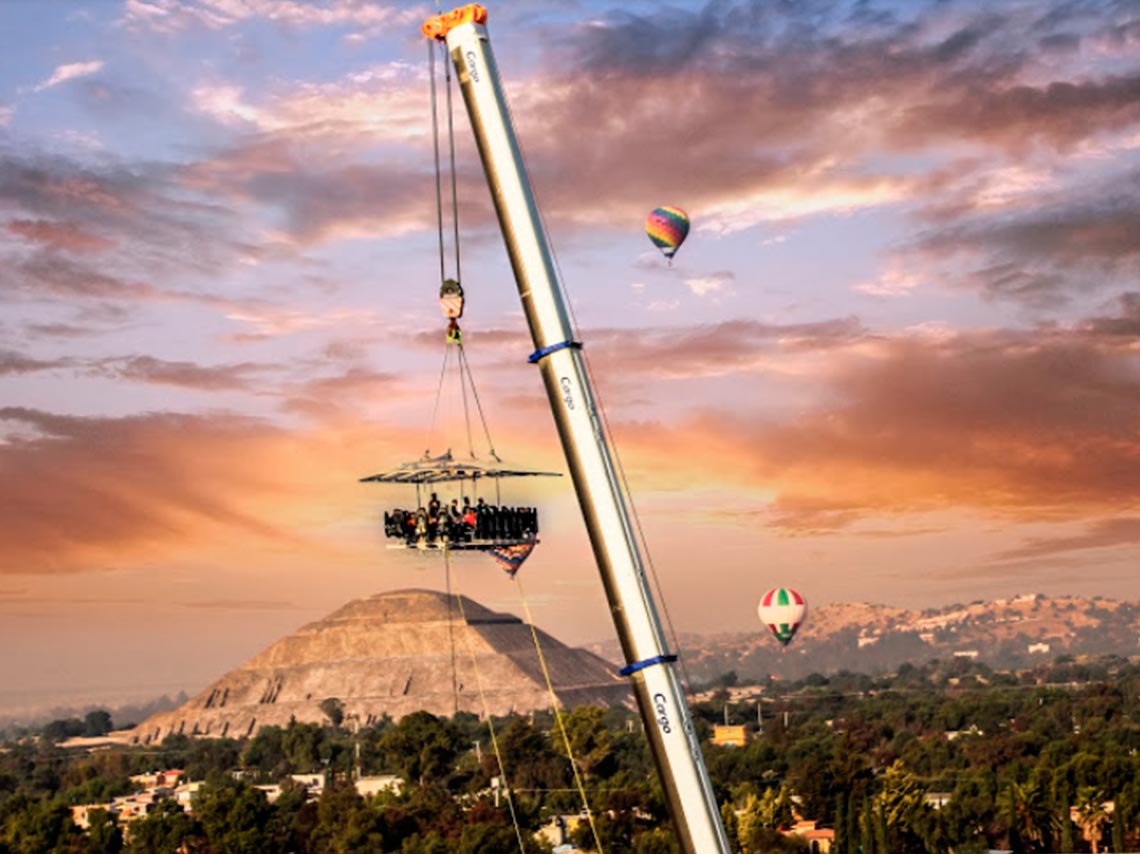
point(867, 637)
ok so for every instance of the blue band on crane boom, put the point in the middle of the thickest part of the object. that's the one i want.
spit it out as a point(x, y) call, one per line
point(630, 669)
point(553, 348)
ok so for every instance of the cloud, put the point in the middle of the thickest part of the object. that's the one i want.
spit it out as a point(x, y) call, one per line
point(683, 352)
point(171, 16)
point(47, 274)
point(17, 363)
point(6, 113)
point(355, 390)
point(711, 284)
point(91, 490)
point(1060, 113)
point(86, 493)
point(110, 231)
point(780, 113)
point(771, 116)
point(70, 71)
point(58, 235)
point(1023, 425)
point(1125, 325)
point(895, 281)
point(383, 103)
point(147, 369)
point(1041, 249)
point(1105, 533)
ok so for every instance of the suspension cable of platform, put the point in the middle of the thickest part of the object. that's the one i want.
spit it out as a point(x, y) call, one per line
point(466, 409)
point(487, 711)
point(556, 704)
point(466, 366)
point(438, 394)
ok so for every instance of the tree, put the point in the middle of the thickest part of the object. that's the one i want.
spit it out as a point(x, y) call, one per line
point(333, 709)
point(103, 834)
point(731, 824)
point(97, 723)
point(842, 846)
point(768, 812)
point(168, 828)
point(421, 747)
point(1091, 815)
point(591, 742)
point(31, 826)
point(235, 817)
point(1030, 815)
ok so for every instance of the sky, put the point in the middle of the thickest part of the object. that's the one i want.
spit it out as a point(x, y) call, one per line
point(897, 359)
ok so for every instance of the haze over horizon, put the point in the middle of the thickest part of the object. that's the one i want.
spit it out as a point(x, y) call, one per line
point(895, 361)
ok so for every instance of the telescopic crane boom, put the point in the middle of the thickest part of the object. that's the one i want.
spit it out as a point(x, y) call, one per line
point(650, 665)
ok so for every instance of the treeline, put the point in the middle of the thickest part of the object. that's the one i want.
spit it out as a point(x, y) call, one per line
point(945, 757)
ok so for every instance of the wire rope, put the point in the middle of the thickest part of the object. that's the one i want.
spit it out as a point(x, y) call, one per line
point(487, 712)
point(451, 638)
point(435, 146)
point(454, 188)
point(475, 393)
point(556, 704)
point(466, 410)
point(438, 394)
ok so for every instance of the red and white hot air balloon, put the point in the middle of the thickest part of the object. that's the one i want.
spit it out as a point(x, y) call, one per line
point(783, 611)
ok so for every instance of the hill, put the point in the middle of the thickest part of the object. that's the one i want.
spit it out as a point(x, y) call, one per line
point(392, 654)
point(866, 638)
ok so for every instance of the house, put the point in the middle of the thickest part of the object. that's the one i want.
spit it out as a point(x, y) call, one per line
point(155, 779)
point(729, 736)
point(368, 786)
point(957, 733)
point(1037, 648)
point(819, 839)
point(936, 800)
point(557, 831)
point(186, 793)
point(313, 784)
point(81, 814)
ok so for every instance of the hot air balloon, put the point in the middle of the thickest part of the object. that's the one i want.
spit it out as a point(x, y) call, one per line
point(782, 610)
point(667, 228)
point(511, 558)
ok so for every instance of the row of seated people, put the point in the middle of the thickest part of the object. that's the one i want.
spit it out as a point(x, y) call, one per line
point(455, 524)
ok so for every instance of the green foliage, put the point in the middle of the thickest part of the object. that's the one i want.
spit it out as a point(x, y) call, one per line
point(103, 834)
point(857, 751)
point(421, 748)
point(333, 709)
point(166, 829)
point(236, 818)
point(35, 826)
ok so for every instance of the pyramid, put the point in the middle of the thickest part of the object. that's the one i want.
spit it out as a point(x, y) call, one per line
point(393, 654)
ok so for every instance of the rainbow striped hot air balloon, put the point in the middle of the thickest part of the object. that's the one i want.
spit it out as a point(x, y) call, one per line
point(667, 227)
point(782, 610)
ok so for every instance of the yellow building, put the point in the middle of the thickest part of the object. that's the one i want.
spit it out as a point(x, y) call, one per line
point(729, 736)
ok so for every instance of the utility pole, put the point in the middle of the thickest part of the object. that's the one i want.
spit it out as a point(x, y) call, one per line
point(650, 664)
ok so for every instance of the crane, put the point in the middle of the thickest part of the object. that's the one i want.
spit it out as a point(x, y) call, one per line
point(649, 664)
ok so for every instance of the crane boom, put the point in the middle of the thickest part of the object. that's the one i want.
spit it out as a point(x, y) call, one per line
point(651, 667)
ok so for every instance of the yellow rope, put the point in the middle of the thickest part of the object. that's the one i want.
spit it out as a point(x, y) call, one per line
point(486, 709)
point(554, 701)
